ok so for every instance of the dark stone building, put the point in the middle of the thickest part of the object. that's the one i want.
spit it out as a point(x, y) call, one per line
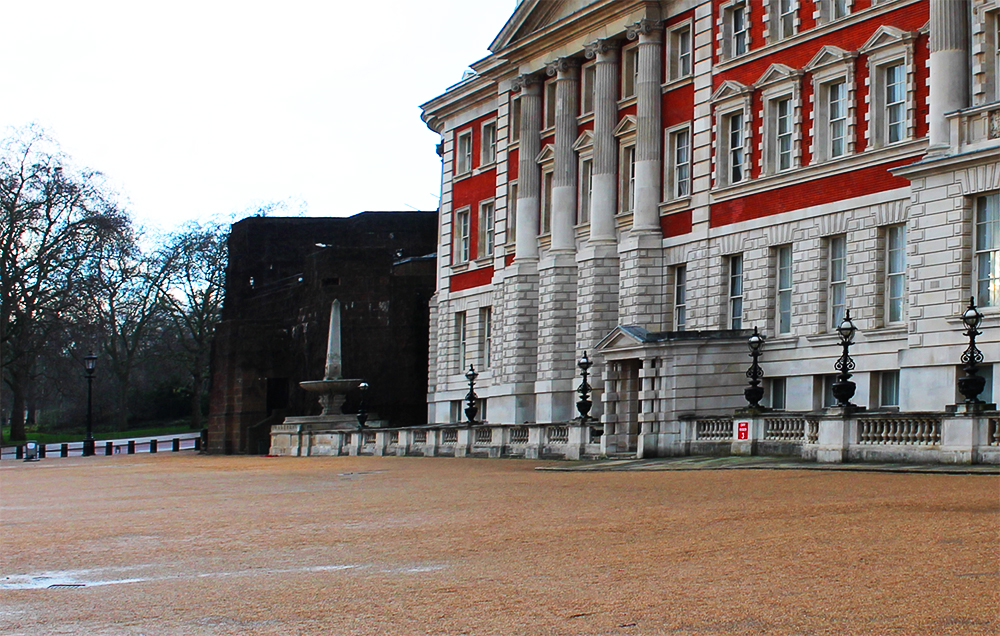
point(283, 276)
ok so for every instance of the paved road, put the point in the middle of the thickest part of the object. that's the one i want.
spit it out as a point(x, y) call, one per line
point(187, 544)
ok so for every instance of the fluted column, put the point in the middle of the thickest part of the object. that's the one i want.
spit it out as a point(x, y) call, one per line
point(603, 197)
point(528, 173)
point(648, 144)
point(949, 66)
point(567, 73)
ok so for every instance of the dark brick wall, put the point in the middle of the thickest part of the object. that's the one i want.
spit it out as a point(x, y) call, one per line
point(283, 276)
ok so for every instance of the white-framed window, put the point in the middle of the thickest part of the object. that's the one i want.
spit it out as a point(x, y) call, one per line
point(736, 291)
point(888, 394)
point(987, 252)
point(895, 273)
point(627, 186)
point(545, 222)
point(991, 56)
point(588, 82)
point(486, 335)
point(835, 94)
point(514, 129)
point(586, 190)
point(461, 336)
point(782, 18)
point(487, 228)
point(463, 153)
point(783, 289)
point(735, 29)
point(489, 143)
point(891, 104)
point(832, 71)
point(733, 151)
point(780, 135)
point(550, 103)
point(778, 391)
point(630, 71)
point(837, 279)
point(511, 227)
point(680, 297)
point(462, 229)
point(677, 180)
point(830, 10)
point(680, 58)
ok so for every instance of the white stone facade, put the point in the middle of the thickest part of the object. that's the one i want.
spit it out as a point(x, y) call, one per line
point(602, 108)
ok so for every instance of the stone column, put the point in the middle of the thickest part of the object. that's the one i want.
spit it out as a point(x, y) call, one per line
point(641, 252)
point(528, 175)
point(597, 261)
point(557, 273)
point(520, 285)
point(949, 66)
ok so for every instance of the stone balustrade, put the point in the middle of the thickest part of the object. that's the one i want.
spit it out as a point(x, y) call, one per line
point(975, 128)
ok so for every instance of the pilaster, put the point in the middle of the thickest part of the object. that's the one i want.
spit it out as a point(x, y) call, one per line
point(529, 175)
point(949, 66)
point(567, 72)
point(604, 193)
point(648, 146)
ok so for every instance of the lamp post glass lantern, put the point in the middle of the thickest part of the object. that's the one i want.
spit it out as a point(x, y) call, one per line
point(470, 400)
point(972, 384)
point(754, 392)
point(584, 404)
point(843, 388)
point(89, 365)
point(362, 412)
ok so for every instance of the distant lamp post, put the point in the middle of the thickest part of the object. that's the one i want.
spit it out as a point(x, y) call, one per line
point(470, 400)
point(972, 384)
point(362, 413)
point(754, 392)
point(843, 388)
point(89, 364)
point(584, 404)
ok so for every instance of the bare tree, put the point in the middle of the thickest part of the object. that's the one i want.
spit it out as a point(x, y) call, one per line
point(129, 308)
point(51, 217)
point(193, 290)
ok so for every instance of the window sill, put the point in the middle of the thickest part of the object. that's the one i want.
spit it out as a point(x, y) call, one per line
point(675, 205)
point(888, 332)
point(461, 176)
point(677, 83)
point(547, 132)
point(584, 118)
point(485, 167)
point(625, 102)
point(914, 148)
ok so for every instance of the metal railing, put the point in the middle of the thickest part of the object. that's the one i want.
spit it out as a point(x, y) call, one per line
point(173, 443)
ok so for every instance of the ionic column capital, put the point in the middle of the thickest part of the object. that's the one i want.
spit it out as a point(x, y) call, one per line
point(526, 82)
point(648, 28)
point(603, 50)
point(561, 66)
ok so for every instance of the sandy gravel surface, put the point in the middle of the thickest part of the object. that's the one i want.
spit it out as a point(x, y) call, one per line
point(186, 544)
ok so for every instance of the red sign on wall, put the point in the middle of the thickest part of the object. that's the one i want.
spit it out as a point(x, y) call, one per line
point(743, 430)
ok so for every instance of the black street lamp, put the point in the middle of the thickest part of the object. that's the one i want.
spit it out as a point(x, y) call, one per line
point(843, 388)
point(584, 404)
point(89, 363)
point(470, 400)
point(754, 392)
point(362, 413)
point(972, 384)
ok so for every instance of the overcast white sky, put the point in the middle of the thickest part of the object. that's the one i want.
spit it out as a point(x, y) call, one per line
point(208, 108)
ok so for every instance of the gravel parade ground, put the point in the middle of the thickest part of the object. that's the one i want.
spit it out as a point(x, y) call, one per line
point(189, 544)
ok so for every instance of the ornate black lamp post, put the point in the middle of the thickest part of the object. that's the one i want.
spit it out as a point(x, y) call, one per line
point(972, 384)
point(470, 400)
point(584, 404)
point(362, 413)
point(89, 363)
point(754, 392)
point(843, 388)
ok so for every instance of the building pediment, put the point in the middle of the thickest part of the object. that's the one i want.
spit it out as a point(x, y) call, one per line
point(775, 74)
point(728, 89)
point(885, 36)
point(585, 140)
point(535, 15)
point(547, 155)
point(626, 126)
point(829, 55)
point(623, 337)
